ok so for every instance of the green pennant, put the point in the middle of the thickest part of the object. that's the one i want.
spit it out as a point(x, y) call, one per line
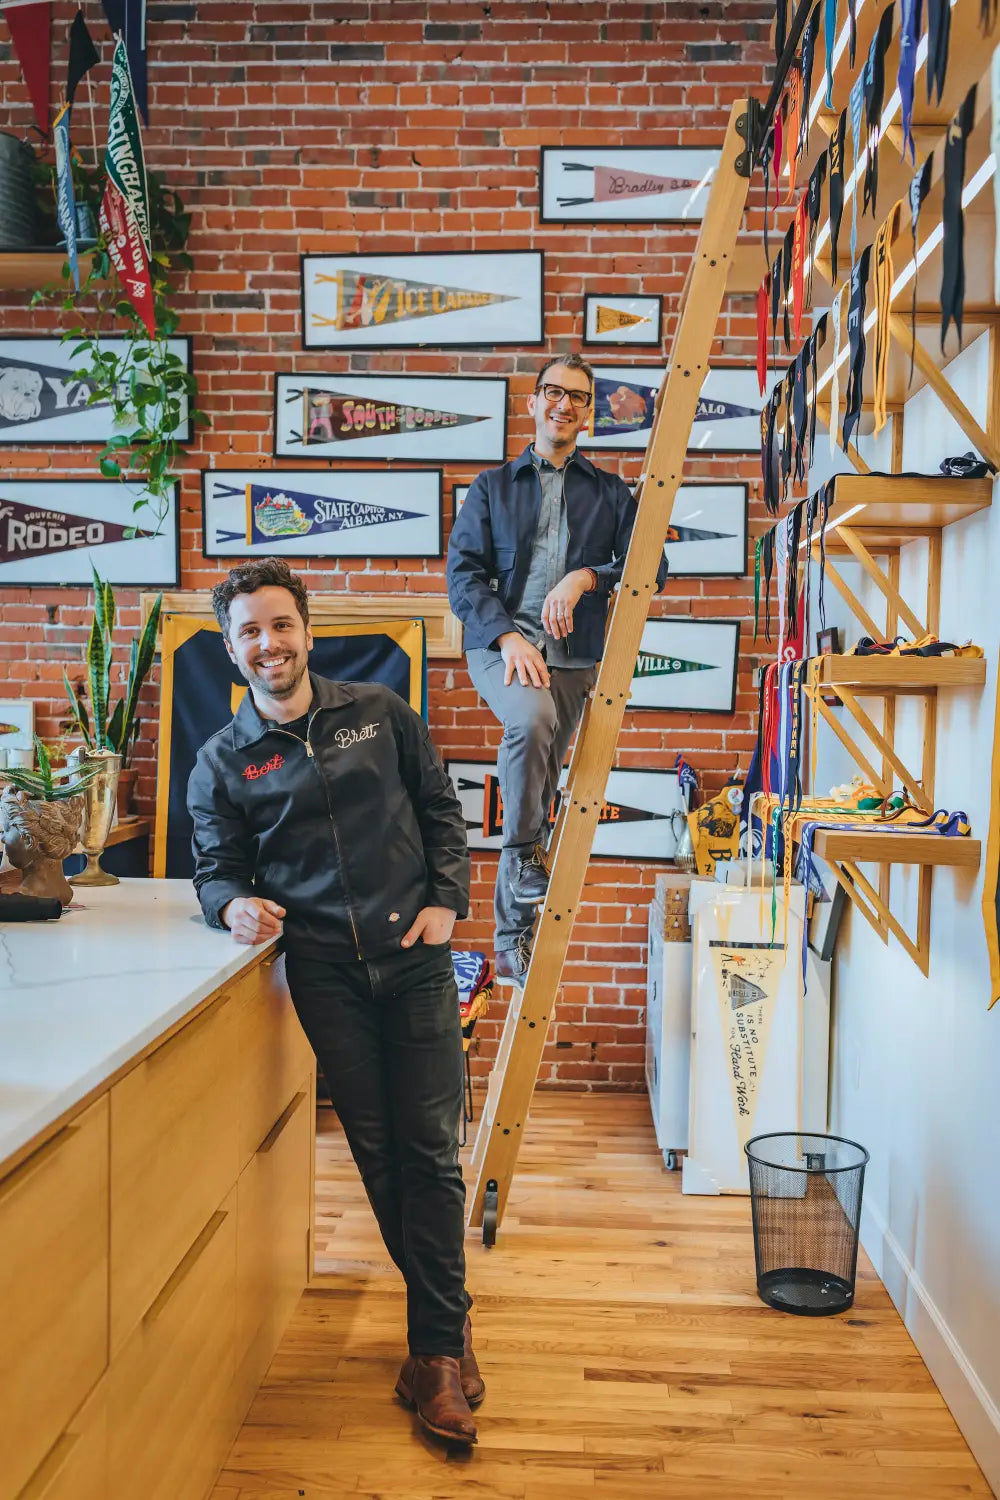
point(649, 664)
point(124, 162)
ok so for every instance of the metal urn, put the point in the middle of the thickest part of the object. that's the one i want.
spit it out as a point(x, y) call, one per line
point(99, 797)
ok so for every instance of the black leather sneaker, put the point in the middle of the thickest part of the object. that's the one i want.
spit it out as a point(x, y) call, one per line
point(512, 963)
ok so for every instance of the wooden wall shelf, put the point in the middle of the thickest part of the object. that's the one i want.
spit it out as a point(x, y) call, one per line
point(897, 848)
point(28, 270)
point(889, 510)
point(903, 674)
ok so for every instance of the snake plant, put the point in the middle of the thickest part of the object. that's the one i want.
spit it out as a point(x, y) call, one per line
point(46, 785)
point(118, 729)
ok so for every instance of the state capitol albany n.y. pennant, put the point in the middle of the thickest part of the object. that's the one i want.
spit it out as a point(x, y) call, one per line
point(124, 215)
point(273, 512)
point(369, 299)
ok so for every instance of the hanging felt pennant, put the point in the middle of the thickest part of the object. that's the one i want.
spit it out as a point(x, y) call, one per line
point(816, 342)
point(792, 128)
point(938, 34)
point(777, 275)
point(65, 200)
point(856, 335)
point(809, 516)
point(763, 300)
point(756, 587)
point(787, 447)
point(82, 55)
point(874, 99)
point(787, 257)
point(779, 117)
point(769, 450)
point(747, 981)
point(953, 252)
point(30, 28)
point(836, 319)
point(883, 298)
point(124, 215)
point(767, 553)
point(800, 236)
point(766, 152)
point(793, 529)
point(910, 18)
point(800, 411)
point(808, 53)
point(836, 159)
point(127, 19)
point(920, 185)
point(814, 200)
point(830, 37)
point(852, 36)
point(826, 500)
point(857, 111)
point(780, 27)
point(781, 570)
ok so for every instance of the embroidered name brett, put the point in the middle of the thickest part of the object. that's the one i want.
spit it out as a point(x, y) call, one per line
point(346, 737)
point(254, 773)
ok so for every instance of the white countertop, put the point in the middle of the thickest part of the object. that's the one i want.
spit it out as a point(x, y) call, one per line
point(81, 996)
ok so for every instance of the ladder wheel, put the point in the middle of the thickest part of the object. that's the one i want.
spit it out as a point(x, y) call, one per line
point(491, 1207)
point(670, 1160)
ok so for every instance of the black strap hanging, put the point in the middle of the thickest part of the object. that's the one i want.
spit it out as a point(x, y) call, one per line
point(852, 43)
point(809, 34)
point(920, 185)
point(826, 500)
point(786, 278)
point(987, 15)
point(780, 27)
point(800, 410)
point(836, 156)
point(816, 342)
point(856, 334)
point(766, 153)
point(788, 434)
point(793, 531)
point(769, 453)
point(874, 99)
point(938, 36)
point(767, 553)
point(776, 280)
point(811, 507)
point(953, 253)
point(910, 16)
point(814, 203)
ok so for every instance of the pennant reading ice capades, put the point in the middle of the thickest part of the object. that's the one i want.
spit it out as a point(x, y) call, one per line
point(32, 531)
point(274, 514)
point(366, 299)
point(619, 406)
point(124, 214)
point(650, 664)
point(331, 417)
point(617, 184)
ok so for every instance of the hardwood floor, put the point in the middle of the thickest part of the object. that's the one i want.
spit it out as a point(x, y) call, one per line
point(624, 1347)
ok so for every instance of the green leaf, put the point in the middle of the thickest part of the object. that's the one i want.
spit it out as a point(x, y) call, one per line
point(110, 469)
point(115, 725)
point(44, 763)
point(97, 670)
point(78, 709)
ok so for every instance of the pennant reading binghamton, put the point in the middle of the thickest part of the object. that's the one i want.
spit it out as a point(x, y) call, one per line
point(619, 407)
point(277, 514)
point(366, 299)
point(331, 417)
point(32, 531)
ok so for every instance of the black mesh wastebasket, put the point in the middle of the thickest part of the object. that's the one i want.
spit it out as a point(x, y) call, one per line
point(805, 1196)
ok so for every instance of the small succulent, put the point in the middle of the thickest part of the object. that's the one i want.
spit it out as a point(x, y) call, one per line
point(46, 785)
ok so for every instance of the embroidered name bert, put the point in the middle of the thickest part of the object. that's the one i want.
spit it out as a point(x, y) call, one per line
point(254, 773)
point(346, 737)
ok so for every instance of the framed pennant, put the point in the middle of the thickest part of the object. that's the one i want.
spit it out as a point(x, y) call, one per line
point(622, 320)
point(458, 494)
point(52, 530)
point(17, 723)
point(636, 820)
point(448, 300)
point(439, 419)
point(687, 665)
point(321, 512)
point(44, 397)
point(621, 413)
point(625, 184)
point(729, 407)
point(708, 531)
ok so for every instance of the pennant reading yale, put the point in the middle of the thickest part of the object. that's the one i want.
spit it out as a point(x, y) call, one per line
point(276, 514)
point(124, 215)
point(365, 299)
point(747, 978)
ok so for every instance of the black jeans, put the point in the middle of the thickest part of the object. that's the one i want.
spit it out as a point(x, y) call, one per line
point(388, 1038)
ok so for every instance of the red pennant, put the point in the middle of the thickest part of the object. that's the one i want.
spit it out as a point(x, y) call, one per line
point(30, 28)
point(128, 254)
point(763, 308)
point(795, 106)
point(799, 238)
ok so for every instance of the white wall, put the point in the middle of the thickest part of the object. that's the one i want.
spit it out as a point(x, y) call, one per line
point(916, 1062)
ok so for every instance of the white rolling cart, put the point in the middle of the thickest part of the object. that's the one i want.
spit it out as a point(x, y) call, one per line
point(668, 1014)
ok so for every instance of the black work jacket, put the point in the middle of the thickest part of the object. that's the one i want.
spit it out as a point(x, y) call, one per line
point(352, 831)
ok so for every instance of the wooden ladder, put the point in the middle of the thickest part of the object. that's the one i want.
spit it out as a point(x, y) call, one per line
point(512, 1081)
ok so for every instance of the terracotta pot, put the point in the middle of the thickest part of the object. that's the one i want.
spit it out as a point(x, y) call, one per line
point(38, 836)
point(124, 807)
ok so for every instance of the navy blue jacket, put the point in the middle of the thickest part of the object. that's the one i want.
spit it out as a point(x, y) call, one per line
point(491, 541)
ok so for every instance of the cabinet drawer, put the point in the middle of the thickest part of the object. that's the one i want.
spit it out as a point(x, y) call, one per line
point(274, 1055)
point(273, 1207)
point(77, 1467)
point(173, 1157)
point(170, 1403)
point(53, 1291)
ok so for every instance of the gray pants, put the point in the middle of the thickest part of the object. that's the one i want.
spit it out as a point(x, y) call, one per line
point(538, 724)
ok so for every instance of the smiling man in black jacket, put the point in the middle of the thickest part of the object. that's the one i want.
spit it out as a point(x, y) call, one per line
point(322, 811)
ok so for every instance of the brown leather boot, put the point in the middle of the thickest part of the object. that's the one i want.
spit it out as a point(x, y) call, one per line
point(473, 1384)
point(431, 1384)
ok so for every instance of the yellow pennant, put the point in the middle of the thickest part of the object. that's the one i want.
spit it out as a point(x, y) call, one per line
point(747, 978)
point(611, 318)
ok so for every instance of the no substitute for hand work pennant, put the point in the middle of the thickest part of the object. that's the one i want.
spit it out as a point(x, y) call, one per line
point(618, 184)
point(368, 299)
point(331, 417)
point(32, 531)
point(124, 214)
point(747, 979)
point(276, 514)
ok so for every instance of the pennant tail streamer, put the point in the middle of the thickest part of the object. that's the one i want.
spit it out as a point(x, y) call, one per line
point(883, 298)
point(953, 253)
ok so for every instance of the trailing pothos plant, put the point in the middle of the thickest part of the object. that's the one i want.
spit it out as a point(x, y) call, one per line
point(144, 383)
point(105, 728)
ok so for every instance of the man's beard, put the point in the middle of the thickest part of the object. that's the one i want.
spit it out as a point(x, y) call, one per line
point(278, 689)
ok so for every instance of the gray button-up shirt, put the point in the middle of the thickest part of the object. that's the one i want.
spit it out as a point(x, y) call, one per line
point(547, 567)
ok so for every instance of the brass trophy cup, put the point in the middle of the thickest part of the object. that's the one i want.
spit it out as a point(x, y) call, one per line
point(98, 814)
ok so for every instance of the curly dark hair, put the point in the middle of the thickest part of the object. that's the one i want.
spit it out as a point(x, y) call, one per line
point(572, 361)
point(247, 578)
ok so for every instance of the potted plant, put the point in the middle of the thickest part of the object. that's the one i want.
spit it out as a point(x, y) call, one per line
point(40, 814)
point(112, 732)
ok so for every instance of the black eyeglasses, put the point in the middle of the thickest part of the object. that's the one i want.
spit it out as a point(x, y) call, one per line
point(555, 393)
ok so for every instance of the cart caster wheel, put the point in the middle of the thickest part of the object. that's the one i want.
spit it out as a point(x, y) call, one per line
point(670, 1161)
point(491, 1205)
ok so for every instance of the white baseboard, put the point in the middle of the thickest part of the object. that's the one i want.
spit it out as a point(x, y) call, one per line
point(967, 1398)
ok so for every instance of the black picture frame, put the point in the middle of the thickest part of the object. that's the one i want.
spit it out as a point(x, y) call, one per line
point(648, 154)
point(670, 548)
point(691, 633)
point(456, 501)
point(635, 343)
point(125, 493)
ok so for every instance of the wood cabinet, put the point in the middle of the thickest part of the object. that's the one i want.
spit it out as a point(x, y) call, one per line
point(150, 1258)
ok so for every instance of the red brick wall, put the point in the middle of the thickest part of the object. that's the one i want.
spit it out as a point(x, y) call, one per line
point(415, 125)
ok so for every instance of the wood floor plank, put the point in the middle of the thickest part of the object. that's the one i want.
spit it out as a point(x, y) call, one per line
point(624, 1347)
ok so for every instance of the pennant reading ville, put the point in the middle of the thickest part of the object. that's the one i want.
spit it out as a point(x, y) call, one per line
point(390, 416)
point(413, 301)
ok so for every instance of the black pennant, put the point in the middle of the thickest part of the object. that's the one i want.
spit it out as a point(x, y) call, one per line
point(780, 27)
point(987, 15)
point(919, 188)
point(836, 155)
point(814, 203)
point(767, 553)
point(852, 44)
point(787, 446)
point(808, 54)
point(793, 531)
point(82, 54)
point(816, 342)
point(786, 277)
point(938, 35)
point(953, 254)
point(766, 153)
point(826, 501)
point(874, 98)
point(856, 335)
point(776, 278)
point(800, 410)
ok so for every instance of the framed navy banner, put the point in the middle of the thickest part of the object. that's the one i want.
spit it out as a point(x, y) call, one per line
point(201, 690)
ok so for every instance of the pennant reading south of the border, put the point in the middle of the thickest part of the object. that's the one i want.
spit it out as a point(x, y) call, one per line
point(368, 299)
point(275, 514)
point(331, 417)
point(35, 531)
point(610, 319)
point(651, 664)
point(30, 392)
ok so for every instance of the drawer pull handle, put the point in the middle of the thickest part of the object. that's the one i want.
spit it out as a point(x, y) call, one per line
point(186, 1031)
point(48, 1471)
point(35, 1162)
point(270, 1140)
point(195, 1253)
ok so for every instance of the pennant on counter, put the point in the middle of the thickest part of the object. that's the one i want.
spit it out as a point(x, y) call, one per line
point(617, 184)
point(835, 318)
point(857, 111)
point(920, 185)
point(82, 55)
point(800, 235)
point(65, 198)
point(795, 107)
point(332, 417)
point(124, 215)
point(366, 299)
point(883, 298)
point(938, 35)
point(35, 531)
point(953, 253)
point(874, 98)
point(836, 158)
point(30, 28)
point(856, 335)
point(763, 301)
point(910, 18)
point(830, 37)
point(127, 19)
point(808, 55)
point(275, 514)
point(747, 979)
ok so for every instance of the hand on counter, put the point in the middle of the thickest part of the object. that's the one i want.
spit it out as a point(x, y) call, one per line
point(252, 920)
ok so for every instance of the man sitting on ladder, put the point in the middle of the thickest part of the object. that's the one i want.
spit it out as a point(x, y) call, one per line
point(535, 554)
